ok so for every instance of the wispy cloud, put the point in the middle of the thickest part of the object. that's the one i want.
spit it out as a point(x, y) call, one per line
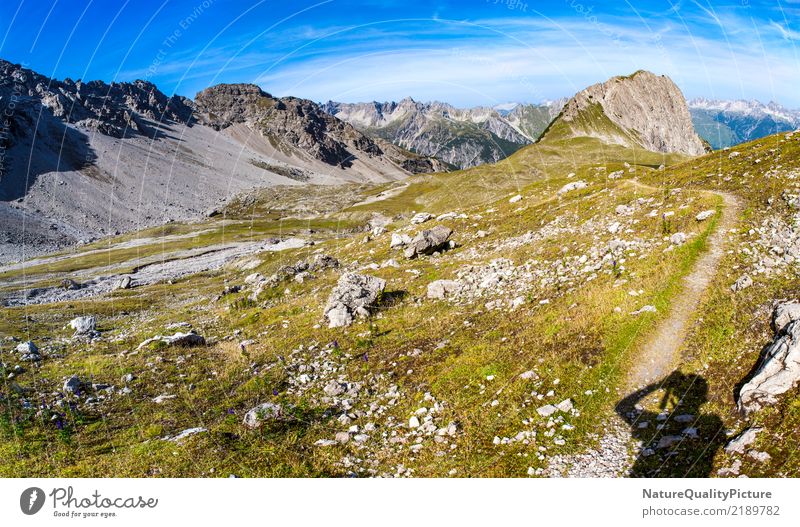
point(785, 32)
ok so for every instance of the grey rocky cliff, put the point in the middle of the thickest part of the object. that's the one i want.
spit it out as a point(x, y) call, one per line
point(649, 110)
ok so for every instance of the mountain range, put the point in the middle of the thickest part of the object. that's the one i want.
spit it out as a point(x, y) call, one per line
point(728, 123)
point(467, 137)
point(461, 137)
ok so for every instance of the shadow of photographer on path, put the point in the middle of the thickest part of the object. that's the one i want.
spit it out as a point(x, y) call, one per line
point(678, 440)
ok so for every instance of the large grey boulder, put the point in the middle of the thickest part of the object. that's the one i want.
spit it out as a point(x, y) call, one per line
point(352, 296)
point(779, 371)
point(428, 241)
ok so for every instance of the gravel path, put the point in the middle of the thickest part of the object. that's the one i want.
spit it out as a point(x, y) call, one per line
point(617, 449)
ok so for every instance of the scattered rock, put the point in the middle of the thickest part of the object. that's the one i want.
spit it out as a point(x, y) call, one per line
point(678, 238)
point(546, 410)
point(739, 444)
point(644, 309)
point(733, 470)
point(624, 210)
point(265, 412)
point(323, 261)
point(27, 348)
point(399, 240)
point(421, 217)
point(743, 282)
point(440, 289)
point(187, 433)
point(352, 296)
point(334, 388)
point(705, 215)
point(574, 185)
point(761, 457)
point(668, 441)
point(28, 352)
point(70, 285)
point(124, 283)
point(565, 406)
point(74, 385)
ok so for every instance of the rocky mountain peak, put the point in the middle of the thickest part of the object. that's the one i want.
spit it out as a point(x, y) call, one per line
point(222, 105)
point(642, 109)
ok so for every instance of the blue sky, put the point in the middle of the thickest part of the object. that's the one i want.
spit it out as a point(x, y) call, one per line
point(479, 52)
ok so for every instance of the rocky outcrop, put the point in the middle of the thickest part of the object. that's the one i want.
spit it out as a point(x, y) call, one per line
point(298, 122)
point(352, 296)
point(779, 369)
point(642, 109)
